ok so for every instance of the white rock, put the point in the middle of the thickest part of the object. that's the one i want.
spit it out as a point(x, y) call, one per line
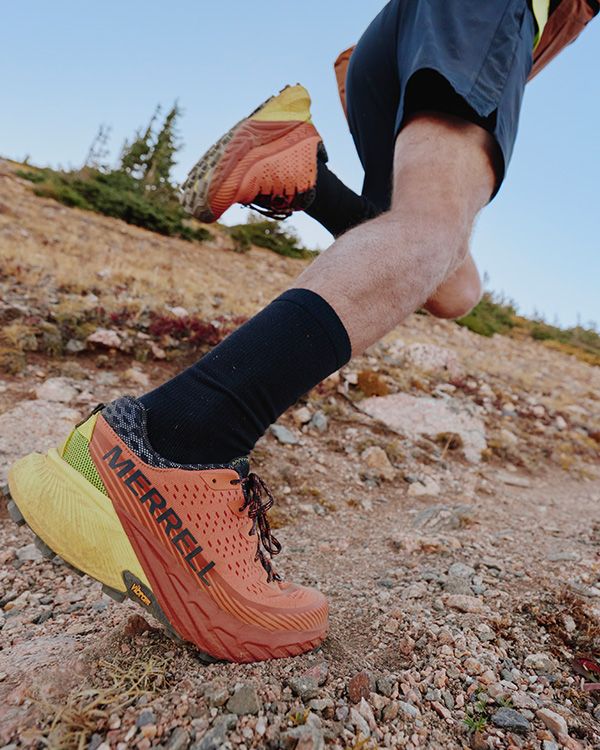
point(553, 721)
point(59, 390)
point(432, 358)
point(540, 663)
point(302, 415)
point(560, 423)
point(415, 416)
point(424, 487)
point(105, 337)
point(137, 376)
point(178, 312)
point(33, 426)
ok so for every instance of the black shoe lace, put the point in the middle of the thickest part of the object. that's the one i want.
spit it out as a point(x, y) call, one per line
point(281, 207)
point(255, 490)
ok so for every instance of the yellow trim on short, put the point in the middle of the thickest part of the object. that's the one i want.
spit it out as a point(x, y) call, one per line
point(541, 10)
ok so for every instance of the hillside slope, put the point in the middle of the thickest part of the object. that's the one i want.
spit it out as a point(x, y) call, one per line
point(443, 490)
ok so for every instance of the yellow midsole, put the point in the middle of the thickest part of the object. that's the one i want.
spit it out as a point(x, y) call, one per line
point(76, 520)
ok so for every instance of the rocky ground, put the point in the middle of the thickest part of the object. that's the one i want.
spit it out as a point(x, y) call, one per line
point(443, 491)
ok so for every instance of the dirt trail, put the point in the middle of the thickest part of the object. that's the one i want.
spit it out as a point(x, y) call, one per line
point(461, 590)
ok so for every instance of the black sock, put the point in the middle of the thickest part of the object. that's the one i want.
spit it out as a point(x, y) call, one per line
point(217, 409)
point(336, 206)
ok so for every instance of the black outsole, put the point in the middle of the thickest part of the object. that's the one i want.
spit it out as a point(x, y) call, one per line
point(152, 607)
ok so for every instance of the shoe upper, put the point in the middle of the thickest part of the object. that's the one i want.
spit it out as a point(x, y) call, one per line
point(202, 523)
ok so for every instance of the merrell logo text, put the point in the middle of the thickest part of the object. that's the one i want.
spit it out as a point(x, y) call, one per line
point(165, 517)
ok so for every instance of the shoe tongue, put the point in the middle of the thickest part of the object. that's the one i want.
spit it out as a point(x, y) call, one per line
point(241, 465)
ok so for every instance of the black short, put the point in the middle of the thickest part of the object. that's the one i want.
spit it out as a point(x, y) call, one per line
point(462, 57)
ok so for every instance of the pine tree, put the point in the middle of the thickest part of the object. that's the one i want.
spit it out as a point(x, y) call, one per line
point(98, 151)
point(135, 156)
point(161, 160)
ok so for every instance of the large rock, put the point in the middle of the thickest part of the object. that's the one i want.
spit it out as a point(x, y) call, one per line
point(33, 426)
point(414, 416)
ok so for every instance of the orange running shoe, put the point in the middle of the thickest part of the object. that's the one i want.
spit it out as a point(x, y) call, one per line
point(190, 544)
point(267, 161)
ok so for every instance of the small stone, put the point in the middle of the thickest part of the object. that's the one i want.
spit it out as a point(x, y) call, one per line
point(136, 625)
point(560, 423)
point(467, 604)
point(513, 480)
point(105, 337)
point(406, 645)
point(212, 740)
point(137, 376)
point(540, 663)
point(216, 696)
point(425, 487)
point(302, 415)
point(244, 701)
point(359, 687)
point(319, 421)
point(320, 672)
point(507, 438)
point(179, 739)
point(378, 462)
point(460, 570)
point(390, 712)
point(29, 553)
point(552, 721)
point(304, 686)
point(508, 718)
point(305, 737)
point(391, 627)
point(550, 745)
point(472, 666)
point(284, 435)
point(56, 389)
point(408, 709)
point(146, 717)
point(563, 557)
point(385, 685)
point(360, 722)
point(74, 346)
point(485, 633)
point(457, 585)
point(179, 312)
point(321, 704)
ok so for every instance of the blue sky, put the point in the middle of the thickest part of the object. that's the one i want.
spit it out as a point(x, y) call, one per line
point(68, 66)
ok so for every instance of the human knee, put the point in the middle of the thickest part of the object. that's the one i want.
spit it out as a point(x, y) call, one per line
point(458, 304)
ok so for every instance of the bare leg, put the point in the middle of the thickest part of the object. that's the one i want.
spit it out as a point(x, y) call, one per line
point(458, 294)
point(375, 275)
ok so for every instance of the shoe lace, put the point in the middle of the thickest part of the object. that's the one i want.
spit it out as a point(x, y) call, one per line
point(255, 490)
point(281, 207)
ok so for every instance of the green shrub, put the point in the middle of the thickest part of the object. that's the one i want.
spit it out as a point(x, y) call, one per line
point(494, 315)
point(34, 177)
point(118, 195)
point(270, 235)
point(489, 317)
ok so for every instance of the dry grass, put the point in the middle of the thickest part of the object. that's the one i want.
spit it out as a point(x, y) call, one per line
point(114, 686)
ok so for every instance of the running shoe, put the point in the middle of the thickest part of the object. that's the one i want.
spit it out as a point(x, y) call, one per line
point(190, 544)
point(267, 161)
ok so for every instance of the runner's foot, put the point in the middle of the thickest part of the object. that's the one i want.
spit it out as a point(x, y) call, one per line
point(190, 544)
point(268, 161)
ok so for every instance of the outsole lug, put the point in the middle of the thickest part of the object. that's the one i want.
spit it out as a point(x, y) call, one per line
point(48, 553)
point(74, 570)
point(118, 596)
point(15, 513)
